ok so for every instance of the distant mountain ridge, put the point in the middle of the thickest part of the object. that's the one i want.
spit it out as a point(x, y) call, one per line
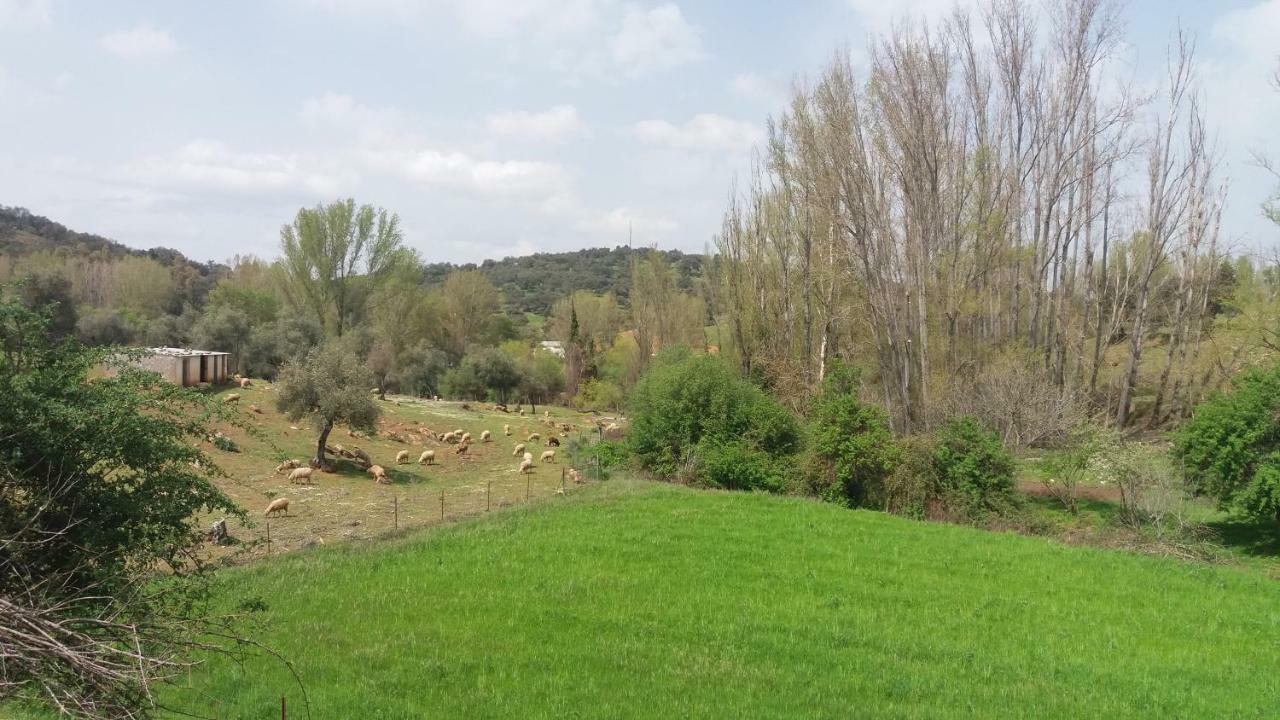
point(530, 283)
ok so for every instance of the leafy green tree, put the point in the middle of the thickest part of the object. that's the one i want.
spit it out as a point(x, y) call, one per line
point(420, 369)
point(541, 377)
point(50, 292)
point(327, 247)
point(1230, 448)
point(104, 326)
point(684, 400)
point(331, 385)
point(496, 370)
point(101, 482)
point(463, 382)
point(259, 306)
point(223, 329)
point(467, 300)
point(853, 450)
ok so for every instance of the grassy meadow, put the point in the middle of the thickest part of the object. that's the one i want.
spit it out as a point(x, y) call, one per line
point(637, 600)
point(347, 504)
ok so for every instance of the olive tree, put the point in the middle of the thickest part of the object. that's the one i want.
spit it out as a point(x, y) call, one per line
point(330, 385)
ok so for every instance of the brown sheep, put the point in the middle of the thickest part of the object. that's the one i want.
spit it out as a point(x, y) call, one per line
point(553, 442)
point(402, 457)
point(302, 473)
point(427, 457)
point(278, 505)
point(548, 456)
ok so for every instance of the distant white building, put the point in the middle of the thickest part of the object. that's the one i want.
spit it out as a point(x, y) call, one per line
point(555, 347)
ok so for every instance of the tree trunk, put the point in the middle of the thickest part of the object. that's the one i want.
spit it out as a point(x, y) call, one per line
point(319, 460)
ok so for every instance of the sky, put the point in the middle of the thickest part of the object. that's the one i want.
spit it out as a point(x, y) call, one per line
point(492, 127)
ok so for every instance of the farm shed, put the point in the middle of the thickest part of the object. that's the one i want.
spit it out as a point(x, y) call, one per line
point(181, 366)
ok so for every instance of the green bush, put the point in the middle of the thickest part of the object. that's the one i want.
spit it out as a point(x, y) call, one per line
point(913, 485)
point(852, 450)
point(973, 467)
point(1230, 448)
point(690, 403)
point(736, 465)
point(224, 443)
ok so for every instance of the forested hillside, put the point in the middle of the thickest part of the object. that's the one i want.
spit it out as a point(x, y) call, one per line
point(533, 283)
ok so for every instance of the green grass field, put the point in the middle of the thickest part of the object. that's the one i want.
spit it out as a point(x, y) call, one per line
point(635, 600)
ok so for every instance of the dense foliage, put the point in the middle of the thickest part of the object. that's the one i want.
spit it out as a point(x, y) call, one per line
point(973, 467)
point(692, 410)
point(100, 482)
point(852, 448)
point(1230, 448)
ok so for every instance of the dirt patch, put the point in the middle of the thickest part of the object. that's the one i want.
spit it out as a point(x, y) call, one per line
point(1103, 493)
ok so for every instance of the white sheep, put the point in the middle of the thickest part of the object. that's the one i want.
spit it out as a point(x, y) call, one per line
point(466, 438)
point(233, 397)
point(278, 505)
point(528, 457)
point(506, 430)
point(448, 437)
point(526, 466)
point(519, 449)
point(244, 383)
point(462, 449)
point(485, 436)
point(302, 474)
point(379, 474)
point(288, 465)
point(427, 457)
point(548, 456)
point(402, 457)
point(533, 437)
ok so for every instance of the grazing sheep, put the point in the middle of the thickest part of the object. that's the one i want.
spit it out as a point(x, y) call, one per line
point(506, 430)
point(379, 474)
point(288, 465)
point(278, 505)
point(462, 449)
point(402, 457)
point(500, 408)
point(244, 383)
point(533, 437)
point(300, 474)
point(447, 437)
point(548, 456)
point(233, 397)
point(519, 449)
point(485, 436)
point(459, 432)
point(236, 377)
point(553, 442)
point(526, 466)
point(256, 409)
point(361, 455)
point(522, 413)
point(574, 475)
point(428, 457)
point(528, 457)
point(566, 427)
point(466, 438)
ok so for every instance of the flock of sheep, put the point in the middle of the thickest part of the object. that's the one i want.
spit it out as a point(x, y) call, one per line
point(300, 472)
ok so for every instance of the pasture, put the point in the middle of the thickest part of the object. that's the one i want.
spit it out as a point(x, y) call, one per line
point(638, 600)
point(347, 504)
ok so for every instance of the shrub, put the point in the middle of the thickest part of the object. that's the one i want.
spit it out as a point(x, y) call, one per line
point(224, 443)
point(973, 467)
point(1065, 468)
point(685, 401)
point(599, 394)
point(736, 465)
point(912, 488)
point(1018, 398)
point(1230, 448)
point(852, 450)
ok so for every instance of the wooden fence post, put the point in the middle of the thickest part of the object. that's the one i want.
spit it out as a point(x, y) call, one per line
point(488, 491)
point(395, 509)
point(268, 537)
point(442, 503)
point(283, 712)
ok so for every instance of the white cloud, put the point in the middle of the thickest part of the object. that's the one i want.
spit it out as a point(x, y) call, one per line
point(705, 131)
point(556, 124)
point(760, 88)
point(140, 41)
point(655, 39)
point(880, 15)
point(622, 222)
point(497, 177)
point(25, 13)
point(543, 18)
point(212, 165)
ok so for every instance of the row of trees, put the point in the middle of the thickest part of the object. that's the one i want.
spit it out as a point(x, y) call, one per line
point(984, 185)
